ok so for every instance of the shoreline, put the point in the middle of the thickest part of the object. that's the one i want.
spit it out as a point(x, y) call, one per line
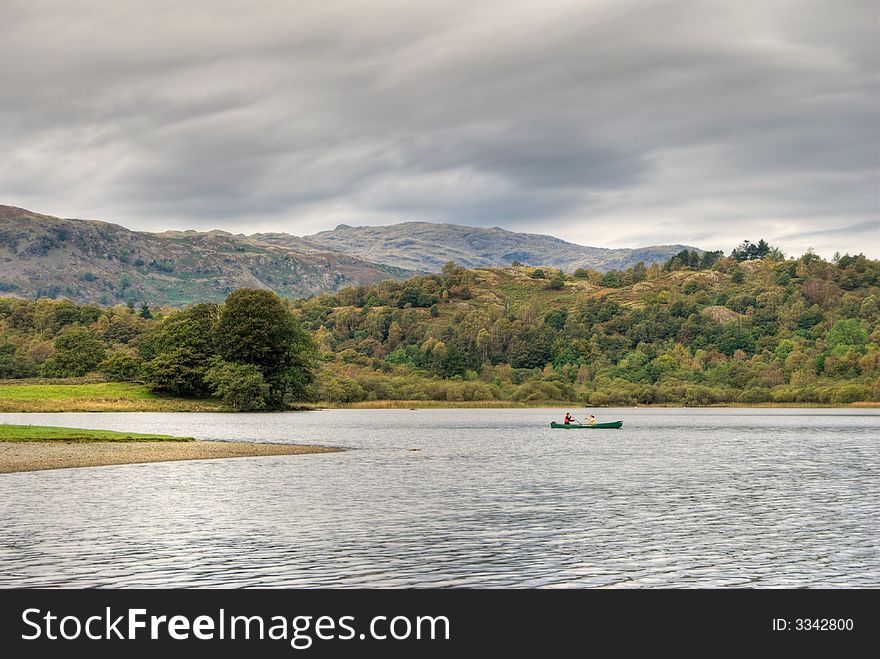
point(501, 404)
point(17, 457)
point(109, 407)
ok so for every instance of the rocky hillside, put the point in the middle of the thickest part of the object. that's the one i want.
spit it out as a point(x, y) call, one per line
point(89, 261)
point(425, 246)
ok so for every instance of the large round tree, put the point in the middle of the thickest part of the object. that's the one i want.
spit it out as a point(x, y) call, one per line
point(254, 327)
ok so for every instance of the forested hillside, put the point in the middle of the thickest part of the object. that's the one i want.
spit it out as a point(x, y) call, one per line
point(744, 331)
point(702, 329)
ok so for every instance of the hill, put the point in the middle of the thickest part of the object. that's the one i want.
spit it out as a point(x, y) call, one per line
point(426, 247)
point(798, 331)
point(767, 331)
point(98, 262)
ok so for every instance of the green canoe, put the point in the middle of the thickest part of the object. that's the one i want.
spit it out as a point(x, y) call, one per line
point(612, 424)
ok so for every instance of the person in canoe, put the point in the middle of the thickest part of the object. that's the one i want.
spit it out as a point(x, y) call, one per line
point(591, 420)
point(567, 420)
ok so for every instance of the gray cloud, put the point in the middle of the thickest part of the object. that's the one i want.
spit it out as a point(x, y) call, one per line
point(614, 123)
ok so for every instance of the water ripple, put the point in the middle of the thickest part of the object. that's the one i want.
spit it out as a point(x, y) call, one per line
point(493, 498)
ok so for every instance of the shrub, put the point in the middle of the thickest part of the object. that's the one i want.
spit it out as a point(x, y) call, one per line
point(122, 367)
point(180, 371)
point(77, 352)
point(557, 282)
point(241, 386)
point(755, 395)
point(850, 393)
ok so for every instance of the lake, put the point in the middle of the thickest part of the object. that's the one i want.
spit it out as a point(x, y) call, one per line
point(476, 498)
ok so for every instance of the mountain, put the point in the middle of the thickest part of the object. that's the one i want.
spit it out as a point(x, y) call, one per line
point(426, 247)
point(90, 261)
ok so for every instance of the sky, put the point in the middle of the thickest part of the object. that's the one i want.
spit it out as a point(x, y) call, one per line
point(613, 123)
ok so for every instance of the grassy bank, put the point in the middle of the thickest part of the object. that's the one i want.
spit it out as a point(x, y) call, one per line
point(58, 396)
point(95, 397)
point(504, 404)
point(432, 404)
point(11, 433)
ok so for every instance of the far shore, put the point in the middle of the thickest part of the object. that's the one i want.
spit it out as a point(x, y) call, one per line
point(503, 404)
point(85, 395)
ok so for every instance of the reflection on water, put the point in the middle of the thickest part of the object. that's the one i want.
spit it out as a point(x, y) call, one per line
point(678, 498)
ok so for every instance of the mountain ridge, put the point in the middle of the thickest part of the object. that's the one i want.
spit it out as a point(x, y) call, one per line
point(103, 262)
point(96, 261)
point(426, 246)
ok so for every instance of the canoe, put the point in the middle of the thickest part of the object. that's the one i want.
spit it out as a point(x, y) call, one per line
point(611, 424)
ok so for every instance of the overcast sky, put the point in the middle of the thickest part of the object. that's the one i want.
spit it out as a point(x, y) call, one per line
point(610, 123)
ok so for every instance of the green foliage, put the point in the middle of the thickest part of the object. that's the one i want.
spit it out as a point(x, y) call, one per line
point(612, 279)
point(556, 318)
point(796, 331)
point(415, 297)
point(692, 260)
point(122, 367)
point(241, 386)
point(13, 364)
point(77, 352)
point(557, 282)
point(749, 251)
point(254, 327)
point(846, 334)
point(179, 351)
point(190, 328)
point(691, 286)
point(178, 371)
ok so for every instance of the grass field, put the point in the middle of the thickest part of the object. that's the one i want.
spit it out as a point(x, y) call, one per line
point(10, 433)
point(95, 397)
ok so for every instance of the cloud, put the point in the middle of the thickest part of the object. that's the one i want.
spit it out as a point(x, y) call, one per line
point(614, 123)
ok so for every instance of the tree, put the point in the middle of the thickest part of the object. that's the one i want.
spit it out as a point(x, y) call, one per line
point(180, 371)
point(749, 251)
point(179, 352)
point(557, 282)
point(77, 352)
point(709, 259)
point(638, 272)
point(191, 328)
point(122, 366)
point(12, 363)
point(845, 335)
point(254, 327)
point(241, 386)
point(416, 297)
point(612, 279)
point(556, 318)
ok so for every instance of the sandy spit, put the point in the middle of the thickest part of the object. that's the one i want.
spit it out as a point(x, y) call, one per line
point(36, 456)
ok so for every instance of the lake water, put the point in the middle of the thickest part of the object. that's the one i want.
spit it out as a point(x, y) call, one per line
point(491, 498)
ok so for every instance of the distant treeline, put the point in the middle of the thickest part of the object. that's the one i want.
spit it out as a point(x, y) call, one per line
point(702, 328)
